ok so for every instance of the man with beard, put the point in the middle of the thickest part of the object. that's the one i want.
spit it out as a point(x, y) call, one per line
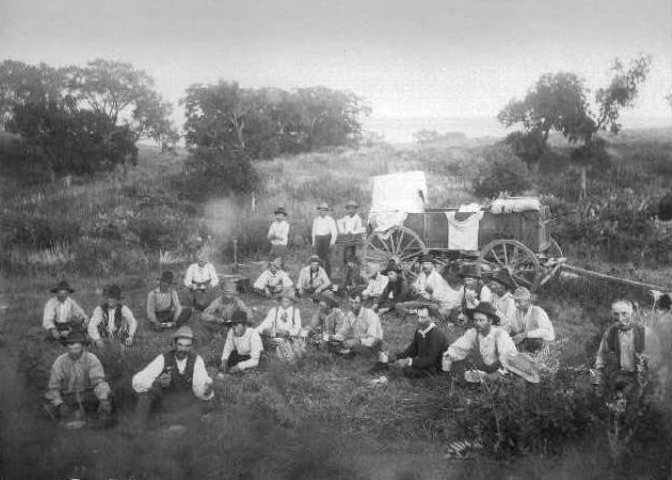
point(530, 326)
point(313, 279)
point(77, 381)
point(178, 372)
point(273, 280)
point(61, 313)
point(112, 320)
point(361, 332)
point(430, 287)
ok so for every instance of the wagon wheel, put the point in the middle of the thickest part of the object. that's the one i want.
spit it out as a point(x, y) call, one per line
point(518, 259)
point(399, 243)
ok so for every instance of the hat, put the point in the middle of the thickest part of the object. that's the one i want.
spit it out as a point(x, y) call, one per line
point(113, 291)
point(423, 309)
point(521, 364)
point(427, 257)
point(286, 293)
point(183, 332)
point(504, 278)
point(329, 299)
point(471, 270)
point(315, 258)
point(351, 204)
point(392, 266)
point(239, 316)
point(202, 256)
point(488, 309)
point(522, 293)
point(277, 262)
point(280, 211)
point(75, 336)
point(323, 206)
point(167, 277)
point(62, 285)
point(228, 287)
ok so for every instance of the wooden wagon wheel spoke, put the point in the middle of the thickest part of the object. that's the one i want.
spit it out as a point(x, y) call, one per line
point(521, 262)
point(400, 243)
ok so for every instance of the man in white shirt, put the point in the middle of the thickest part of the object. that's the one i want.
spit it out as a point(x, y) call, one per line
point(377, 282)
point(350, 230)
point(530, 326)
point(313, 279)
point(501, 285)
point(430, 287)
point(278, 234)
point(361, 331)
point(273, 280)
point(324, 236)
point(242, 348)
point(61, 313)
point(177, 372)
point(282, 321)
point(201, 278)
point(112, 320)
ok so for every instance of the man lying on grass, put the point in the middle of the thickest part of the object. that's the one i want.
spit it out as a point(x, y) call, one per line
point(77, 382)
point(61, 313)
point(164, 309)
point(112, 320)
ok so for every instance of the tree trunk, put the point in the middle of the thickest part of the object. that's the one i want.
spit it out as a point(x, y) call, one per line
point(584, 190)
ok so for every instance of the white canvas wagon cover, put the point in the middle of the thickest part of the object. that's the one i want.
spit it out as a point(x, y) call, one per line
point(396, 195)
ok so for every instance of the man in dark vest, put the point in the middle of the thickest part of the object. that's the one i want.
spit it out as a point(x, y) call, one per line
point(473, 292)
point(629, 354)
point(179, 371)
point(112, 320)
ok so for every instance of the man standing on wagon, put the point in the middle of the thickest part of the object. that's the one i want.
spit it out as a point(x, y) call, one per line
point(324, 235)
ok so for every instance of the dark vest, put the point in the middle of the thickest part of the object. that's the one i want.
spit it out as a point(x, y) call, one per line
point(179, 382)
point(614, 346)
point(118, 319)
point(464, 299)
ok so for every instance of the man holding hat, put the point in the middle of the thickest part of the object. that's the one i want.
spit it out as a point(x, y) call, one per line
point(77, 381)
point(61, 313)
point(199, 279)
point(278, 234)
point(178, 371)
point(490, 347)
point(327, 320)
point(273, 280)
point(530, 326)
point(313, 279)
point(164, 309)
point(396, 290)
point(473, 291)
point(324, 234)
point(242, 348)
point(351, 229)
point(501, 285)
point(222, 308)
point(112, 319)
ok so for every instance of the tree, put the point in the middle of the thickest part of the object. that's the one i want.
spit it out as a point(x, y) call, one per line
point(559, 102)
point(501, 172)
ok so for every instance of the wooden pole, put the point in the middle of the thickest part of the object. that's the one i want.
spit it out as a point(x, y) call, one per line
point(235, 253)
point(604, 276)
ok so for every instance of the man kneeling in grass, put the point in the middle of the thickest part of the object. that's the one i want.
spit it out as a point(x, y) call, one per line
point(77, 382)
point(112, 320)
point(361, 331)
point(242, 348)
point(179, 371)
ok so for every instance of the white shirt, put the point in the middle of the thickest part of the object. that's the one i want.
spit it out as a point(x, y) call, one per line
point(278, 319)
point(97, 317)
point(365, 327)
point(325, 226)
point(197, 274)
point(442, 292)
point(277, 280)
point(61, 312)
point(278, 233)
point(506, 307)
point(376, 285)
point(492, 347)
point(351, 225)
point(144, 379)
point(534, 323)
point(320, 278)
point(486, 296)
point(249, 343)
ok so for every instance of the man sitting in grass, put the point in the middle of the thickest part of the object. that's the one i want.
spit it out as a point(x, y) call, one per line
point(361, 331)
point(376, 284)
point(112, 320)
point(77, 382)
point(273, 280)
point(313, 279)
point(396, 290)
point(61, 313)
point(164, 309)
point(501, 285)
point(431, 287)
point(242, 348)
point(353, 281)
point(282, 321)
point(221, 310)
point(200, 278)
point(326, 322)
point(530, 326)
point(473, 291)
point(179, 372)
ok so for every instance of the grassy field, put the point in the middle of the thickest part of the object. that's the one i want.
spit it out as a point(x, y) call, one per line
point(319, 419)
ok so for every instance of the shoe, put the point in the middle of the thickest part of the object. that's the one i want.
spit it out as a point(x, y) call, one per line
point(382, 380)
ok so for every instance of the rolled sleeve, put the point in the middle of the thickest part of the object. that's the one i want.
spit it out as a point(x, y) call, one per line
point(53, 393)
point(96, 318)
point(255, 352)
point(143, 380)
point(127, 314)
point(460, 348)
point(201, 380)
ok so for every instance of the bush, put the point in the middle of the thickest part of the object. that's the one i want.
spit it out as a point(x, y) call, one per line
point(501, 172)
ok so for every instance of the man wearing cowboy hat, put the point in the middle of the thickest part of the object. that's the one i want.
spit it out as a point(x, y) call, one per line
point(77, 380)
point(351, 229)
point(501, 285)
point(112, 319)
point(327, 320)
point(376, 284)
point(313, 279)
point(396, 290)
point(273, 280)
point(473, 291)
point(62, 313)
point(361, 331)
point(530, 326)
point(222, 308)
point(200, 278)
point(179, 371)
point(282, 321)
point(164, 309)
point(242, 348)
point(491, 349)
point(324, 234)
point(278, 234)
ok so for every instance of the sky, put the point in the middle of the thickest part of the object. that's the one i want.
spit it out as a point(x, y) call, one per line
point(408, 59)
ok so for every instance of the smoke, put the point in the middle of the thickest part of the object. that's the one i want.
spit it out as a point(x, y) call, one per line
point(223, 218)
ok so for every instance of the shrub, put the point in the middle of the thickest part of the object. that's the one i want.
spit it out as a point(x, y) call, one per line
point(502, 171)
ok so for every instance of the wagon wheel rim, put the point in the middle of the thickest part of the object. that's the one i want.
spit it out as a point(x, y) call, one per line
point(399, 243)
point(514, 256)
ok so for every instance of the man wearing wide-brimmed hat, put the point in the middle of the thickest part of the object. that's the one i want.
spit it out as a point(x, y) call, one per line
point(396, 291)
point(473, 290)
point(243, 346)
point(501, 285)
point(283, 320)
point(324, 234)
point(313, 279)
point(489, 350)
point(530, 327)
point(350, 229)
point(278, 234)
point(273, 280)
point(77, 381)
point(62, 313)
point(112, 320)
point(164, 309)
point(200, 279)
point(179, 371)
point(222, 308)
point(327, 320)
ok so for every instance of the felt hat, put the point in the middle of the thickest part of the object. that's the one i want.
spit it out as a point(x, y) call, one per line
point(487, 308)
point(280, 211)
point(239, 316)
point(521, 364)
point(323, 206)
point(113, 291)
point(427, 257)
point(184, 332)
point(472, 270)
point(392, 266)
point(167, 277)
point(352, 204)
point(504, 278)
point(329, 298)
point(276, 262)
point(286, 293)
point(62, 285)
point(315, 258)
point(522, 293)
point(75, 336)
point(228, 287)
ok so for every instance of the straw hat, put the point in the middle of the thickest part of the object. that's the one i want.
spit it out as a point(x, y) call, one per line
point(62, 285)
point(522, 293)
point(184, 332)
point(323, 206)
point(352, 204)
point(276, 262)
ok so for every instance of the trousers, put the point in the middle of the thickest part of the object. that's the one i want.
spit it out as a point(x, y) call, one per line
point(323, 250)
